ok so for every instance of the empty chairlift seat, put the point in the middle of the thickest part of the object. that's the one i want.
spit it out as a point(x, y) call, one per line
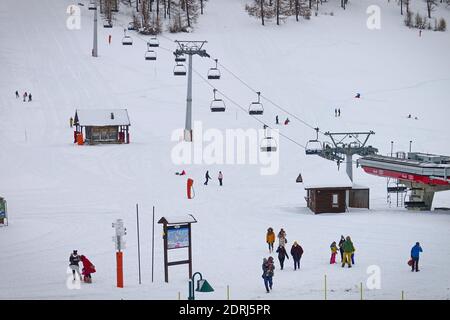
point(268, 144)
point(127, 41)
point(214, 73)
point(256, 108)
point(179, 70)
point(92, 5)
point(217, 105)
point(153, 42)
point(131, 26)
point(180, 58)
point(150, 54)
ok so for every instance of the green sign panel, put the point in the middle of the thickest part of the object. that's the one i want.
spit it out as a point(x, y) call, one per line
point(2, 208)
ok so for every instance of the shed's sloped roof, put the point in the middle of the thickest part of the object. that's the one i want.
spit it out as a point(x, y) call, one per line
point(102, 117)
point(324, 174)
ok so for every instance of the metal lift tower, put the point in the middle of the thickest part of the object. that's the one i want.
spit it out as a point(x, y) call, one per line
point(343, 146)
point(190, 48)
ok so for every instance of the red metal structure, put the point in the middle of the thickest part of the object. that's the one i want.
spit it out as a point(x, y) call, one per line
point(423, 174)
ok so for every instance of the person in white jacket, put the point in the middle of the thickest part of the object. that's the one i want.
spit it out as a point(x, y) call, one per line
point(220, 177)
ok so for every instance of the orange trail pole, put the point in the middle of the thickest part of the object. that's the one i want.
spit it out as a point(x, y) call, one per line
point(119, 259)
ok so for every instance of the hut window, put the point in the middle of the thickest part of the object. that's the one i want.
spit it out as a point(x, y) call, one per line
point(335, 200)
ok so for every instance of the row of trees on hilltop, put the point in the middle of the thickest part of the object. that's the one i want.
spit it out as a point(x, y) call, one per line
point(151, 16)
point(416, 20)
point(278, 9)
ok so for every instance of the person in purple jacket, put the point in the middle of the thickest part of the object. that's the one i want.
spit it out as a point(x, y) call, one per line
point(415, 253)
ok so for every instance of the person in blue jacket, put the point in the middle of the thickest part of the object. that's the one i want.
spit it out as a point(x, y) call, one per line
point(415, 252)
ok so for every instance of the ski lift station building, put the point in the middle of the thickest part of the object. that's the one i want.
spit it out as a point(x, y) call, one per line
point(332, 191)
point(101, 126)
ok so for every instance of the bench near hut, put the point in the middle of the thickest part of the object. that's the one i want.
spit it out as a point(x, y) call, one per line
point(101, 126)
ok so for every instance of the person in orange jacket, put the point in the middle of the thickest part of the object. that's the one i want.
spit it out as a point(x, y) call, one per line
point(270, 239)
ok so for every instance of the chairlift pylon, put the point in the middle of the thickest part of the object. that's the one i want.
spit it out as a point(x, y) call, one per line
point(214, 73)
point(217, 105)
point(256, 108)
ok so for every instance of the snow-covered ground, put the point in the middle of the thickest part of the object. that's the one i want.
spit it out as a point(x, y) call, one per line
point(63, 197)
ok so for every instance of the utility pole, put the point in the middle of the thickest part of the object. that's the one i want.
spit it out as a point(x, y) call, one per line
point(95, 47)
point(190, 48)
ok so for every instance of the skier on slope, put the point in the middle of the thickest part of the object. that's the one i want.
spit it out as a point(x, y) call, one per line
point(270, 239)
point(207, 177)
point(282, 254)
point(74, 261)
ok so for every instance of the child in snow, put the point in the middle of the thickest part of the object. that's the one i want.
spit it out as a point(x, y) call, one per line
point(71, 122)
point(270, 239)
point(88, 268)
point(17, 94)
point(276, 120)
point(25, 95)
point(29, 98)
point(334, 250)
point(286, 122)
point(358, 95)
point(282, 254)
point(339, 112)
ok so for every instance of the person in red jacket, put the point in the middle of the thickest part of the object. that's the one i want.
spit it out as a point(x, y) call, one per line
point(88, 268)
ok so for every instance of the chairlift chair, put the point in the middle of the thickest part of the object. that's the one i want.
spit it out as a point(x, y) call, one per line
point(256, 108)
point(131, 26)
point(153, 42)
point(214, 73)
point(268, 144)
point(92, 5)
point(150, 55)
point(127, 40)
point(107, 24)
point(179, 70)
point(217, 105)
point(314, 146)
point(180, 58)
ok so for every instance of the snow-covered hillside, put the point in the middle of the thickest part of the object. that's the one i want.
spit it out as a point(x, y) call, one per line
point(63, 197)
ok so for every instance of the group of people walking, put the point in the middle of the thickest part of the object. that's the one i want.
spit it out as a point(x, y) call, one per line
point(268, 266)
point(345, 247)
point(219, 177)
point(25, 96)
point(88, 267)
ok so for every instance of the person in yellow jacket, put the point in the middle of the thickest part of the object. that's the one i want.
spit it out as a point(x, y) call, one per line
point(270, 239)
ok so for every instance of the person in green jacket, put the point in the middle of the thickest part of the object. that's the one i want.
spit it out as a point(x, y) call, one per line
point(348, 250)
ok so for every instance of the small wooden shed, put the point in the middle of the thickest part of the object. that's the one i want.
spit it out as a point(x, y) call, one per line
point(102, 126)
point(327, 189)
